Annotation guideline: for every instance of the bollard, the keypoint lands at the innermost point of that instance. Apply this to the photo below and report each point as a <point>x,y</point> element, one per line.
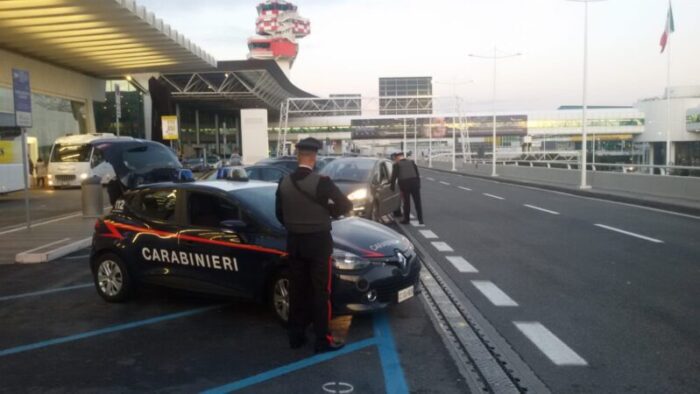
<point>92,198</point>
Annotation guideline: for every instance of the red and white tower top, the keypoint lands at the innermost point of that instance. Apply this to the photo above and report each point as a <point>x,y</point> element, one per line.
<point>278,26</point>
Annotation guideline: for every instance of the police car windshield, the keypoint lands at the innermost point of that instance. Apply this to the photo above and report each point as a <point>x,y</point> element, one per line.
<point>349,170</point>
<point>149,156</point>
<point>260,200</point>
<point>71,153</point>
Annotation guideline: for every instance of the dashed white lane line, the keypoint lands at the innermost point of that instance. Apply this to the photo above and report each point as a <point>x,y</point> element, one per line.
<point>541,209</point>
<point>461,264</point>
<point>497,296</point>
<point>427,234</point>
<point>549,344</point>
<point>430,179</point>
<point>442,247</point>
<point>465,188</point>
<point>644,237</point>
<point>445,183</point>
<point>494,196</point>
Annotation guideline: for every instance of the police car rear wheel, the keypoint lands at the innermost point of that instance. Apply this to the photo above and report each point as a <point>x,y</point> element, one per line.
<point>279,299</point>
<point>112,279</point>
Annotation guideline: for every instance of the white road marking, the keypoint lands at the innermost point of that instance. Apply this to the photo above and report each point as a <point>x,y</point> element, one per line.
<point>599,199</point>
<point>549,344</point>
<point>428,234</point>
<point>465,188</point>
<point>430,179</point>
<point>47,245</point>
<point>445,183</point>
<point>442,247</point>
<point>658,241</point>
<point>494,196</point>
<point>541,209</point>
<point>41,223</point>
<point>493,293</point>
<point>416,223</point>
<point>461,264</point>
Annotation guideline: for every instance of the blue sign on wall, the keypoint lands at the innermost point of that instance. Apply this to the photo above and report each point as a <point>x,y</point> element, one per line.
<point>23,98</point>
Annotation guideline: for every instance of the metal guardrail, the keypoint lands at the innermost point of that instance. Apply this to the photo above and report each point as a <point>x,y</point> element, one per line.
<point>625,168</point>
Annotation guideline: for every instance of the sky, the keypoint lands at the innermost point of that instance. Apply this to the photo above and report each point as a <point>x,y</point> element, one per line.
<point>354,42</point>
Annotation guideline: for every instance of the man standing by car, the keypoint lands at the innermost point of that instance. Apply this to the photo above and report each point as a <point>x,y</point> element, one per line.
<point>406,172</point>
<point>302,207</point>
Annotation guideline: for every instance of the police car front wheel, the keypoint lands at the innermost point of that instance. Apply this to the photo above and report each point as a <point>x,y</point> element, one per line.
<point>112,278</point>
<point>279,297</point>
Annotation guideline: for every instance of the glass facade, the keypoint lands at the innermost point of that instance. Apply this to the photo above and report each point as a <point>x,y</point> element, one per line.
<point>131,122</point>
<point>393,92</point>
<point>52,117</point>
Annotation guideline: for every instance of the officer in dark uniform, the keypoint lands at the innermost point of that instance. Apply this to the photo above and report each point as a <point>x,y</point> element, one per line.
<point>303,207</point>
<point>406,172</point>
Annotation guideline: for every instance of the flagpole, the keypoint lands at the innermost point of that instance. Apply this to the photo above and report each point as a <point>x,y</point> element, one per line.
<point>668,102</point>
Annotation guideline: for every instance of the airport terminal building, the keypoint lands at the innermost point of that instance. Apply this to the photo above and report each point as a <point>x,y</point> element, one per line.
<point>79,53</point>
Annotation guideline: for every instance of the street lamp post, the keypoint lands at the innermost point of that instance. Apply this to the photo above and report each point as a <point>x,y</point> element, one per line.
<point>495,57</point>
<point>584,114</point>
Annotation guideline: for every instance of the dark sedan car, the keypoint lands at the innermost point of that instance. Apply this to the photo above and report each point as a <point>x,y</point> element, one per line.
<point>223,238</point>
<point>257,173</point>
<point>366,182</point>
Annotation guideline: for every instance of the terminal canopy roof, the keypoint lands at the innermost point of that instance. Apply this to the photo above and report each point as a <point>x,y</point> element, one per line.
<point>103,38</point>
<point>234,84</point>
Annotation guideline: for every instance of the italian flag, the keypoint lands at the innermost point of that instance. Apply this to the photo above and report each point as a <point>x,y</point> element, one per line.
<point>668,30</point>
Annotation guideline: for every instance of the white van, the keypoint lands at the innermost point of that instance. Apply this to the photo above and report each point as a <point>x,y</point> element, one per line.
<point>74,158</point>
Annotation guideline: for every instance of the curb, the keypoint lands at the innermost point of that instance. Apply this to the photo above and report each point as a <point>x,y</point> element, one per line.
<point>57,253</point>
<point>603,196</point>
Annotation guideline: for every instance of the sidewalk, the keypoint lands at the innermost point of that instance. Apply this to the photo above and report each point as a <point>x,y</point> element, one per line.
<point>690,205</point>
<point>46,240</point>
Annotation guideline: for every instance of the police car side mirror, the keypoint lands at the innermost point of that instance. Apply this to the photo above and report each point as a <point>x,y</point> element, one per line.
<point>235,225</point>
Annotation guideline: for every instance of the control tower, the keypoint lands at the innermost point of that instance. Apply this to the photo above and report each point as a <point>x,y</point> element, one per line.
<point>278,26</point>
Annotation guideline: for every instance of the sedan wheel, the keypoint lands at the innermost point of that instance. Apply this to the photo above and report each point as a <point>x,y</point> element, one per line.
<point>112,279</point>
<point>281,298</point>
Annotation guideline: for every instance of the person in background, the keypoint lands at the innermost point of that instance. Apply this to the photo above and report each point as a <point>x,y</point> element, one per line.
<point>41,171</point>
<point>406,172</point>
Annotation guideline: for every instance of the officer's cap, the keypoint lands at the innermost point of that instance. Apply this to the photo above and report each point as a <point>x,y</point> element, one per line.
<point>309,144</point>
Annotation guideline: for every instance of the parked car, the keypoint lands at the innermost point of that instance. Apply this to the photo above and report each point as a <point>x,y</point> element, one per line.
<point>224,238</point>
<point>268,173</point>
<point>366,182</point>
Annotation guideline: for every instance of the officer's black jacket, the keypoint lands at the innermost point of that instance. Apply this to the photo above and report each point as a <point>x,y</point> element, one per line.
<point>395,173</point>
<point>327,190</point>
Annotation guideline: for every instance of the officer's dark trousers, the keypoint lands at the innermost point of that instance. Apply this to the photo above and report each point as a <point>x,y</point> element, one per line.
<point>310,284</point>
<point>410,188</point>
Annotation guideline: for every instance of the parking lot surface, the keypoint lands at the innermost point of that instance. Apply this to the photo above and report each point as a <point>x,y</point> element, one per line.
<point>59,335</point>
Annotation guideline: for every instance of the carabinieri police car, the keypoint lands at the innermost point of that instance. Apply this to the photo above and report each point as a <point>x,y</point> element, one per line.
<point>222,237</point>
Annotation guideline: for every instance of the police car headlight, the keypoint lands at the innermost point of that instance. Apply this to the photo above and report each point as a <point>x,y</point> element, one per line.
<point>83,176</point>
<point>347,261</point>
<point>359,194</point>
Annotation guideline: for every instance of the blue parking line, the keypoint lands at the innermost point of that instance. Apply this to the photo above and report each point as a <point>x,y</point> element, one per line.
<point>42,292</point>
<point>394,380</point>
<point>285,369</point>
<point>106,330</point>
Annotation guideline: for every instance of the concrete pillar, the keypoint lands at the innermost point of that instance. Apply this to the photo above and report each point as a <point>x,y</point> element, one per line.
<point>90,117</point>
<point>216,134</point>
<point>196,125</point>
<point>148,116</point>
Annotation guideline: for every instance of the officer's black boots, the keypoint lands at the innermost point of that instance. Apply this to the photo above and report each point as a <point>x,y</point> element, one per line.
<point>297,341</point>
<point>323,347</point>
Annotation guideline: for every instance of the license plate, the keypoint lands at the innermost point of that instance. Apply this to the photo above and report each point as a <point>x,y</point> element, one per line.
<point>405,294</point>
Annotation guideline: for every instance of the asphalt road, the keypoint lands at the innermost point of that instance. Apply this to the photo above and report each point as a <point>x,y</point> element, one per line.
<point>58,335</point>
<point>597,297</point>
